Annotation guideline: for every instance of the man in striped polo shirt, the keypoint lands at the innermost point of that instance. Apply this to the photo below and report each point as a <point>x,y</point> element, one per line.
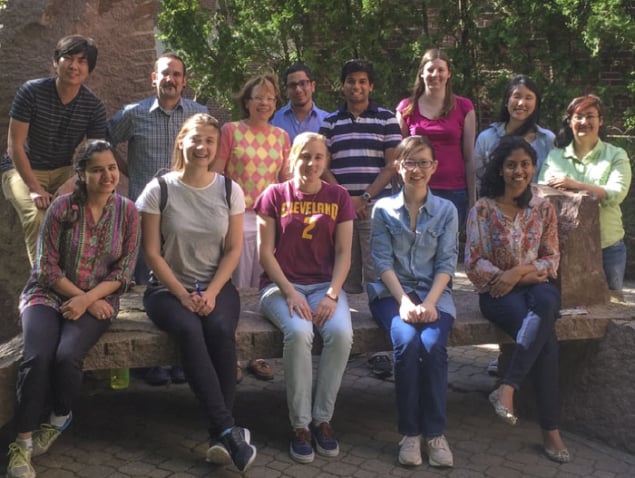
<point>49,117</point>
<point>361,138</point>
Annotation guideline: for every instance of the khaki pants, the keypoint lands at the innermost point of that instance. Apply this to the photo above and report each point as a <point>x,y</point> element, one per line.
<point>17,193</point>
<point>362,269</point>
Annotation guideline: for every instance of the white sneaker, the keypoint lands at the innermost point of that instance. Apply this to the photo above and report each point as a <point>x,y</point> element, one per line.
<point>410,450</point>
<point>439,453</point>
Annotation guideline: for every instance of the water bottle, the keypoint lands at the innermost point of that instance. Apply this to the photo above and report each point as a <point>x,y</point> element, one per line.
<point>119,378</point>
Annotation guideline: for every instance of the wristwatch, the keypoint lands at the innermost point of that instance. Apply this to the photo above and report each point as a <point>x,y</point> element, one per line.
<point>366,196</point>
<point>334,298</point>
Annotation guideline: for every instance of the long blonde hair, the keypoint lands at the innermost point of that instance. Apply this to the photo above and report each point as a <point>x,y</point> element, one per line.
<point>420,87</point>
<point>194,121</point>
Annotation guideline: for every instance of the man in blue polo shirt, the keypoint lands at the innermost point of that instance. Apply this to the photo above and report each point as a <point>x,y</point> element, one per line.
<point>49,118</point>
<point>300,114</point>
<point>361,138</point>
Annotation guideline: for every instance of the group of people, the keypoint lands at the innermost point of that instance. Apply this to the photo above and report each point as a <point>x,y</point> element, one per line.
<point>303,205</point>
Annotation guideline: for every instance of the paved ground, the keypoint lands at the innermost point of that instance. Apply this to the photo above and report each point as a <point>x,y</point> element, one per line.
<point>159,432</point>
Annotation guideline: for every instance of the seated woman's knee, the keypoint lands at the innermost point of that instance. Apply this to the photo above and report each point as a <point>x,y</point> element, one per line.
<point>544,300</point>
<point>301,334</point>
<point>68,359</point>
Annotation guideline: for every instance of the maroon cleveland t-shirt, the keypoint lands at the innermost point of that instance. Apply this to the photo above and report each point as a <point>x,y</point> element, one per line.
<point>305,229</point>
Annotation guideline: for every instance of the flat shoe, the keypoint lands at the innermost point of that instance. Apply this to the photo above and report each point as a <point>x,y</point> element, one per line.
<point>157,376</point>
<point>177,374</point>
<point>501,410</point>
<point>261,369</point>
<point>560,456</point>
<point>380,365</point>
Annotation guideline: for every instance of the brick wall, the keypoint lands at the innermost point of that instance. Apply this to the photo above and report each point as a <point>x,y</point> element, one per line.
<point>124,32</point>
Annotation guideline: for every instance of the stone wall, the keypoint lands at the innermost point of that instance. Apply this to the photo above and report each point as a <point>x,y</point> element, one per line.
<point>597,386</point>
<point>124,32</point>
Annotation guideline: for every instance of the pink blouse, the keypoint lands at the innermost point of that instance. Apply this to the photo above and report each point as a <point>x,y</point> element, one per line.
<point>446,136</point>
<point>495,243</point>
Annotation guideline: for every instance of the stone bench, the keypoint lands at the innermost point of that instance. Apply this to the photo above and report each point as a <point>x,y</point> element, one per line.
<point>133,340</point>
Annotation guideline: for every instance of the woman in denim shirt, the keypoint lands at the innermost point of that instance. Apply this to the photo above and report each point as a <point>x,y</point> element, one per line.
<point>414,247</point>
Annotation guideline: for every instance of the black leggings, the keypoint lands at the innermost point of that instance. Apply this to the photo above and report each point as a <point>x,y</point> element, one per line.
<point>207,346</point>
<point>54,349</point>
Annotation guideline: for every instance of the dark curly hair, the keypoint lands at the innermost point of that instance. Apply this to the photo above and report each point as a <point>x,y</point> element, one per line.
<point>83,153</point>
<point>492,182</point>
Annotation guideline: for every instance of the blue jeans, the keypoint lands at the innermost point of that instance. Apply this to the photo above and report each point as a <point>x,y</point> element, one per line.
<point>458,198</point>
<point>421,368</point>
<point>337,335</point>
<point>528,314</point>
<point>614,262</point>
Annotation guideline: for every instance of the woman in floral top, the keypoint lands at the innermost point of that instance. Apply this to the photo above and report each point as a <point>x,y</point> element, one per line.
<point>86,255</point>
<point>511,256</point>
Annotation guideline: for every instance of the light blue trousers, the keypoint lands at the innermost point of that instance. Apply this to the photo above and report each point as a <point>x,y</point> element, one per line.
<point>337,336</point>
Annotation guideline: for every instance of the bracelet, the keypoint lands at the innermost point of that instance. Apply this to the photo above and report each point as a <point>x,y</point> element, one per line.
<point>334,298</point>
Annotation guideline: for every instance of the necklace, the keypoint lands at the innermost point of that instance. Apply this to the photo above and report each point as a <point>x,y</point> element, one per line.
<point>305,195</point>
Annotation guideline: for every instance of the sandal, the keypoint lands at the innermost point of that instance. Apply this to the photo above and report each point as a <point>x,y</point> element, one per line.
<point>261,369</point>
<point>380,365</point>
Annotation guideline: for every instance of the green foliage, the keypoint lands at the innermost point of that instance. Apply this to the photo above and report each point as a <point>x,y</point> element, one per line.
<point>565,45</point>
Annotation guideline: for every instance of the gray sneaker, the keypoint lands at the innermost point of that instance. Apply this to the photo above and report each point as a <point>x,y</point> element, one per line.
<point>19,462</point>
<point>439,453</point>
<point>43,438</point>
<point>46,435</point>
<point>410,450</point>
<point>217,453</point>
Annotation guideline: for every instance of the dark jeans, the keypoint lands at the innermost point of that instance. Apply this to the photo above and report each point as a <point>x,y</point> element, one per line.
<point>54,349</point>
<point>528,314</point>
<point>421,368</point>
<point>614,262</point>
<point>459,199</point>
<point>207,346</point>
<point>141,270</point>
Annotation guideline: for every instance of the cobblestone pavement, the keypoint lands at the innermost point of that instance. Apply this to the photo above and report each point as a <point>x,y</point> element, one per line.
<point>159,432</point>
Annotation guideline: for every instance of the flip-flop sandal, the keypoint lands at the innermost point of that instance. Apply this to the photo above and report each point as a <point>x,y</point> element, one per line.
<point>261,369</point>
<point>380,365</point>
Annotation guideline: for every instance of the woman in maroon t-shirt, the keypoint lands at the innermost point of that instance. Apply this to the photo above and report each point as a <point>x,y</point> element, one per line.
<point>305,228</point>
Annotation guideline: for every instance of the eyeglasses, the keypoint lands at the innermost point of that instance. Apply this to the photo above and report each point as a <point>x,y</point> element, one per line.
<point>580,118</point>
<point>410,165</point>
<point>302,84</point>
<point>264,99</point>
